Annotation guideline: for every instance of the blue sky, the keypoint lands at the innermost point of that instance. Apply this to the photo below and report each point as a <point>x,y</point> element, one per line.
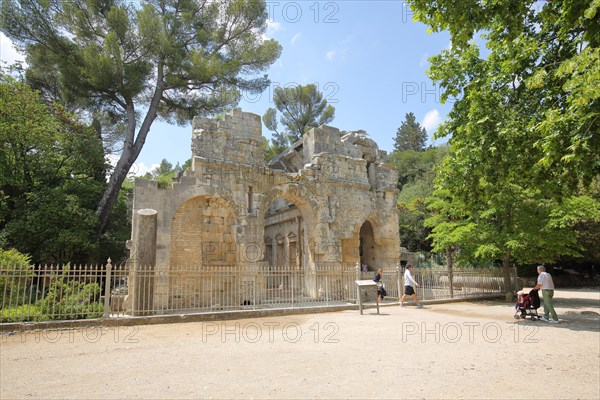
<point>367,57</point>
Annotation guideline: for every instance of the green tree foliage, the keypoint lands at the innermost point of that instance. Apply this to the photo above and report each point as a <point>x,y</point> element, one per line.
<point>588,233</point>
<point>273,149</point>
<point>414,235</point>
<point>134,62</point>
<point>164,168</point>
<point>51,177</point>
<point>165,173</point>
<point>410,135</point>
<point>416,174</point>
<point>301,108</point>
<point>417,167</point>
<point>524,127</point>
<point>544,63</point>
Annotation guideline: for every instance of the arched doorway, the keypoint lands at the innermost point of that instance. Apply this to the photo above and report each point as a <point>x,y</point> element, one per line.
<point>289,232</point>
<point>367,247</point>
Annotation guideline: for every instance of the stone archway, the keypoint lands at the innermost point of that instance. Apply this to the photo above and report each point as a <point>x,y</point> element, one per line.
<point>289,231</point>
<point>289,223</point>
<point>203,233</point>
<point>202,237</point>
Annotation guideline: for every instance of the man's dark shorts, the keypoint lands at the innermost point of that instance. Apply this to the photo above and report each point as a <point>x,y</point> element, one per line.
<point>408,290</point>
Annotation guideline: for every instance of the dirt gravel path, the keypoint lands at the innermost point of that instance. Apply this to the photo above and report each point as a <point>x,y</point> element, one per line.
<point>469,350</point>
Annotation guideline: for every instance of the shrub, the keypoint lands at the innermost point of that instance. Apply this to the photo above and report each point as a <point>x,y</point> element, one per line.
<point>16,273</point>
<point>71,300</point>
<point>24,313</point>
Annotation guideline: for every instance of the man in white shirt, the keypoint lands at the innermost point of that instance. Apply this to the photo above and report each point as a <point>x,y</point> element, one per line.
<point>409,282</point>
<point>545,283</point>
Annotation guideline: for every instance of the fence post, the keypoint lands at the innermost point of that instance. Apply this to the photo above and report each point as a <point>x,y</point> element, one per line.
<point>292,273</point>
<point>107,289</point>
<point>450,262</point>
<point>358,277</point>
<point>399,281</point>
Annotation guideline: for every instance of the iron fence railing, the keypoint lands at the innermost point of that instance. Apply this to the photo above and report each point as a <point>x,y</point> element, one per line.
<point>66,292</point>
<point>437,284</point>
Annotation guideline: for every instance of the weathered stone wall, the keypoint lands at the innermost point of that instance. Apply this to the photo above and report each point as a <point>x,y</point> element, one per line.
<point>221,210</point>
<point>236,138</point>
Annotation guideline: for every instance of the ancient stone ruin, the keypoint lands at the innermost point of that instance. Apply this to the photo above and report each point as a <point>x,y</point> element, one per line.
<point>329,201</point>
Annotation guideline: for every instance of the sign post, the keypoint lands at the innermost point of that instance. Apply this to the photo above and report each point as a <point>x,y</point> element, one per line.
<point>365,284</point>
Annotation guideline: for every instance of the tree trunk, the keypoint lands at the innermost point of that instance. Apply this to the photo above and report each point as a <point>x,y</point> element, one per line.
<point>111,193</point>
<point>507,281</point>
<point>450,274</point>
<point>131,150</point>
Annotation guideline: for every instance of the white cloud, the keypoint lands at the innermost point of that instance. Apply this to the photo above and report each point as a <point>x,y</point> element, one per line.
<point>330,55</point>
<point>140,169</point>
<point>296,37</point>
<point>8,53</point>
<point>272,27</point>
<point>431,121</point>
<point>137,169</point>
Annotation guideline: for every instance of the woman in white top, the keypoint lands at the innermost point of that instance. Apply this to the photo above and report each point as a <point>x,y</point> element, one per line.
<point>409,282</point>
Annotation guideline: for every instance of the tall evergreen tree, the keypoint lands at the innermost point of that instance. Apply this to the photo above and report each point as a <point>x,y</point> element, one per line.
<point>410,135</point>
<point>138,61</point>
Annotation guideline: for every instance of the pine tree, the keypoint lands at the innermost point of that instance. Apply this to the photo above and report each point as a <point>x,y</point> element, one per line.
<point>301,108</point>
<point>411,135</point>
<point>136,61</point>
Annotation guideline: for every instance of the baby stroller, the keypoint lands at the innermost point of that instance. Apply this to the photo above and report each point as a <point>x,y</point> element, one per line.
<point>527,304</point>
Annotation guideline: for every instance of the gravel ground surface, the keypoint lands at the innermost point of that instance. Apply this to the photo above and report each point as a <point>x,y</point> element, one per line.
<point>469,350</point>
